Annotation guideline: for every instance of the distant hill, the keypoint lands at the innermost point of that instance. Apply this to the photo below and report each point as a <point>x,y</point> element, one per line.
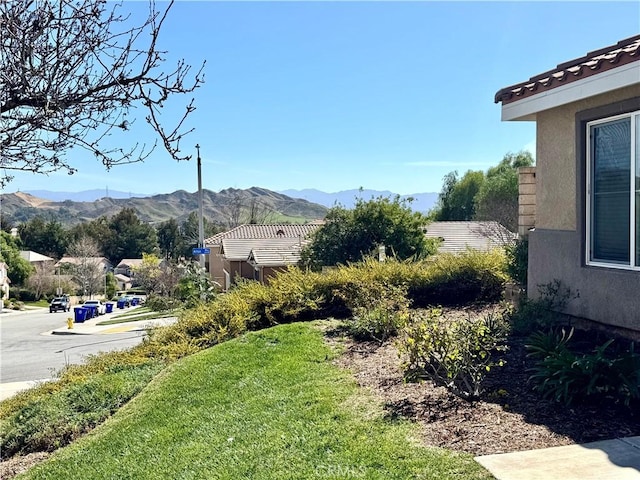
<point>422,202</point>
<point>21,206</point>
<point>84,196</point>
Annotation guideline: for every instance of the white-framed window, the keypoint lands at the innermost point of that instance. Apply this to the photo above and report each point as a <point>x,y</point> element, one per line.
<point>613,192</point>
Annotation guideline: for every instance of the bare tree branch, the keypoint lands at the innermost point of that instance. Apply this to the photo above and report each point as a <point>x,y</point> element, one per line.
<point>71,71</point>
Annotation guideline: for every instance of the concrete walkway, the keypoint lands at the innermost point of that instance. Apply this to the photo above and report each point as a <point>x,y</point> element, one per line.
<point>617,459</point>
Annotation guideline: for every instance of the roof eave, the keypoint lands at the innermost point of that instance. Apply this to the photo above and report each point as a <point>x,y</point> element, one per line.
<point>604,82</point>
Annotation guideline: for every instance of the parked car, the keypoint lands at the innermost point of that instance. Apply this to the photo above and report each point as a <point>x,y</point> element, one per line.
<point>138,299</point>
<point>102,308</point>
<point>60,303</point>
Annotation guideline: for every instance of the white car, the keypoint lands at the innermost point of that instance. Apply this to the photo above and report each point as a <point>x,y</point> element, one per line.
<point>102,308</point>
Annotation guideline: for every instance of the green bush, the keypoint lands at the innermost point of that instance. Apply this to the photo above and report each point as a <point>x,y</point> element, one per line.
<point>160,303</point>
<point>455,353</point>
<point>378,309</point>
<point>518,261</point>
<point>567,376</point>
<point>544,311</point>
<point>457,279</point>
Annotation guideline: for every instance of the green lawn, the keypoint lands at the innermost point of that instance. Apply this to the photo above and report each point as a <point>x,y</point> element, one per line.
<point>140,313</point>
<point>268,405</point>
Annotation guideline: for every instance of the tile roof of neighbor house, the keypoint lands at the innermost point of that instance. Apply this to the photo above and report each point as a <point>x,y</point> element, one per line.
<point>274,258</point>
<point>238,249</point>
<point>129,262</point>
<point>458,236</point>
<point>614,56</point>
<point>77,260</point>
<point>122,278</point>
<point>31,256</point>
<point>263,231</point>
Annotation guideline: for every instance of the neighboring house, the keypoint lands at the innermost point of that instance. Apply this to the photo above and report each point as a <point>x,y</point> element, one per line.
<point>258,258</point>
<point>456,237</point>
<point>4,282</point>
<point>101,262</point>
<point>240,241</point>
<point>587,196</point>
<point>127,266</point>
<point>35,258</point>
<point>123,282</point>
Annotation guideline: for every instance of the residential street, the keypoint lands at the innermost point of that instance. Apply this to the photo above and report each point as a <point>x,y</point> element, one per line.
<point>29,352</point>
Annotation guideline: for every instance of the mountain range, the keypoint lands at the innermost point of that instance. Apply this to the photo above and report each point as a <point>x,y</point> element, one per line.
<point>422,202</point>
<point>292,206</point>
<point>217,207</point>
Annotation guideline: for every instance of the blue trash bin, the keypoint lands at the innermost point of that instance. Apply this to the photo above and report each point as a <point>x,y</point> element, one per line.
<point>80,314</point>
<point>108,307</point>
<point>121,303</point>
<point>93,311</point>
<point>134,301</point>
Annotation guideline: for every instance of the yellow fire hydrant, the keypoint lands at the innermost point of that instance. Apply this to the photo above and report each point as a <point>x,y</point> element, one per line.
<point>69,322</point>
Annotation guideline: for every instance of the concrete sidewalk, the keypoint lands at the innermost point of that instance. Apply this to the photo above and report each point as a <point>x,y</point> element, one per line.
<point>617,459</point>
<point>91,327</point>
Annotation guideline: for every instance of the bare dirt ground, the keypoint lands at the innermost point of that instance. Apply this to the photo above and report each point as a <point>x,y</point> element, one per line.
<point>508,417</point>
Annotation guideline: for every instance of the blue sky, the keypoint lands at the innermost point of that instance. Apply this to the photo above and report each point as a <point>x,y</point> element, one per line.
<point>341,95</point>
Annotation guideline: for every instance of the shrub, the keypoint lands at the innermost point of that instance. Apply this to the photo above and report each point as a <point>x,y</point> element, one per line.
<point>518,261</point>
<point>567,376</point>
<point>456,279</point>
<point>159,303</point>
<point>378,309</point>
<point>542,312</point>
<point>455,353</point>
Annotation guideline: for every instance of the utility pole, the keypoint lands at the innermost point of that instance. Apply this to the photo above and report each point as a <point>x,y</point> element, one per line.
<point>200,217</point>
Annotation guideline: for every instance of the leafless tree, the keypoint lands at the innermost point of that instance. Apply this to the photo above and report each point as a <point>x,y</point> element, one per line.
<point>496,233</point>
<point>86,265</point>
<point>42,279</point>
<point>71,71</point>
<point>257,212</point>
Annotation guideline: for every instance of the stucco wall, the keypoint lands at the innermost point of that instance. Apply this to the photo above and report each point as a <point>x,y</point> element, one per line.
<point>606,295</point>
<point>556,247</point>
<point>556,160</point>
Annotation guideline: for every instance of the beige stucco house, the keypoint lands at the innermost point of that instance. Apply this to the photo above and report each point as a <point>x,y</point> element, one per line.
<point>255,251</point>
<point>587,180</point>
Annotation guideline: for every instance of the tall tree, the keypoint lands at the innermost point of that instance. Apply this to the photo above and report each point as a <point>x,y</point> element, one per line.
<point>457,198</point>
<point>73,71</point>
<point>190,232</point>
<point>48,238</point>
<point>129,237</point>
<point>170,240</point>
<point>86,268</point>
<point>18,269</point>
<point>351,235</point>
<point>497,198</point>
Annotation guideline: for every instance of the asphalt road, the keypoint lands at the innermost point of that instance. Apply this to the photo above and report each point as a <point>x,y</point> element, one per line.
<point>28,351</point>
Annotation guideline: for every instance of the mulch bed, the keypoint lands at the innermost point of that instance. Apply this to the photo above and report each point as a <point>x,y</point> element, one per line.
<point>508,417</point>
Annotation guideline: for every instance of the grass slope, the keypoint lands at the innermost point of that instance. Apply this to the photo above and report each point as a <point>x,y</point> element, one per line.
<point>268,405</point>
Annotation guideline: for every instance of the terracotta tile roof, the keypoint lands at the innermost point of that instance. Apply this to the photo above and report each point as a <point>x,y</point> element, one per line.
<point>259,231</point>
<point>240,248</point>
<point>274,258</point>
<point>608,58</point>
<point>458,236</point>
